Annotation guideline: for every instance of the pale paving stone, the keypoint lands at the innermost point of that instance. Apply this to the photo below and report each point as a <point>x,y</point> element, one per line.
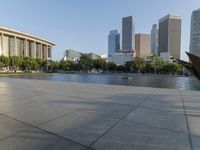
<point>97,109</point>
<point>9,126</point>
<point>34,139</point>
<point>164,119</point>
<point>132,136</point>
<point>82,127</point>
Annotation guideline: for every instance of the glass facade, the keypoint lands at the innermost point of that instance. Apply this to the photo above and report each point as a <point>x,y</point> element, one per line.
<point>154,39</point>
<point>11,46</point>
<point>43,51</point>
<point>38,50</point>
<point>195,33</point>
<point>20,47</point>
<point>163,36</point>
<point>49,52</point>
<point>113,42</point>
<point>1,50</point>
<point>31,46</point>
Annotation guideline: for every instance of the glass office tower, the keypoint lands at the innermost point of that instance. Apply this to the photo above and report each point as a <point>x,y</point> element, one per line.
<point>195,33</point>
<point>113,42</point>
<point>154,39</point>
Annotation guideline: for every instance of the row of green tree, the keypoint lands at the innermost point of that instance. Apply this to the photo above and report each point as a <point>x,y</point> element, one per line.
<point>22,63</point>
<point>153,64</point>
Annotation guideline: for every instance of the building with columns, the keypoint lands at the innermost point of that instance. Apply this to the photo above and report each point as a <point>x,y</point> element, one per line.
<point>16,43</point>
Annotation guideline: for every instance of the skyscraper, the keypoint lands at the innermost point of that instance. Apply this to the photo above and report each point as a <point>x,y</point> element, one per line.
<point>169,36</point>
<point>113,42</point>
<point>195,33</point>
<point>154,39</point>
<point>142,45</point>
<point>128,34</point>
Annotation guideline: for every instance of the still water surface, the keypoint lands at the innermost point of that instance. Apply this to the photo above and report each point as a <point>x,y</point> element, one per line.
<point>160,81</point>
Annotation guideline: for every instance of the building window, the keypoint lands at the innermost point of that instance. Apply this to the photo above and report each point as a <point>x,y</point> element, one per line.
<point>49,52</point>
<point>30,49</point>
<point>11,46</point>
<point>20,47</point>
<point>43,51</point>
<point>38,50</point>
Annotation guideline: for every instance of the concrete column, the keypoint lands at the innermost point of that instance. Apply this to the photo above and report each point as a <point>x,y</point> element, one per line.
<point>34,50</point>
<point>5,51</point>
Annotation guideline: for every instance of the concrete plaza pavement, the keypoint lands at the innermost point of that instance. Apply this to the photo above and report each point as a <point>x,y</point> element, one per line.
<point>48,115</point>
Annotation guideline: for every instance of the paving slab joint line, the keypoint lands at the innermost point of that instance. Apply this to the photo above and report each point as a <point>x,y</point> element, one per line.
<point>187,122</point>
<point>118,103</point>
<point>162,110</point>
<point>59,117</point>
<point>77,110</point>
<point>141,123</point>
<point>110,102</point>
<point>90,146</point>
<point>1,139</point>
<point>48,132</point>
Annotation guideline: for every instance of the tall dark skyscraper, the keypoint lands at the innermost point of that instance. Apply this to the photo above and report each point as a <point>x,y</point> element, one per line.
<point>128,34</point>
<point>195,33</point>
<point>169,36</point>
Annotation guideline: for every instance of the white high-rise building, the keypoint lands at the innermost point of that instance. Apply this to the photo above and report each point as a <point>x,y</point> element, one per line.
<point>154,39</point>
<point>195,33</point>
<point>113,42</point>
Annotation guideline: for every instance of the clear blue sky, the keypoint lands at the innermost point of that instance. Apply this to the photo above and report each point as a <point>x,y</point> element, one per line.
<point>84,24</point>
